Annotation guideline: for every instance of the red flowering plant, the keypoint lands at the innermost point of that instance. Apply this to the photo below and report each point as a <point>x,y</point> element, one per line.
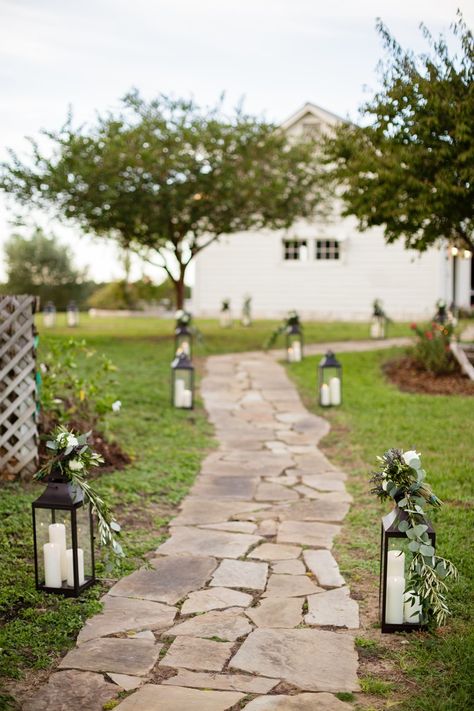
<point>432,350</point>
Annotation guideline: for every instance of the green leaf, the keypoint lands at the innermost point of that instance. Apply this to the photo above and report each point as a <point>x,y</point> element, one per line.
<point>403,503</point>
<point>420,529</point>
<point>411,534</point>
<point>426,550</point>
<point>403,526</point>
<point>414,546</point>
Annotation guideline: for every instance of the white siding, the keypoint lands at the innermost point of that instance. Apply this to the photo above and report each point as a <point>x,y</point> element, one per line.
<point>252,263</point>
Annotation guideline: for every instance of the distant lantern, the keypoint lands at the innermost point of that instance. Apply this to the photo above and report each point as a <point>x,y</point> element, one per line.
<point>294,342</point>
<point>225,318</point>
<point>378,323</point>
<point>63,539</point>
<point>49,315</point>
<point>183,339</point>
<point>330,381</point>
<point>182,382</point>
<point>400,609</point>
<point>72,315</point>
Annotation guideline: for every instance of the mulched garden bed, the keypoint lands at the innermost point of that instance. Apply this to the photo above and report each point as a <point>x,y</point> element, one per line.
<point>409,377</point>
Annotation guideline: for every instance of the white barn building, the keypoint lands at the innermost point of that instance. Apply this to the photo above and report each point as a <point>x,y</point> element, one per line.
<point>326,268</point>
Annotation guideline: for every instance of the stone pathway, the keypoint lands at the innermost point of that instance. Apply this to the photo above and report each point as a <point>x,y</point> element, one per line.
<point>244,605</point>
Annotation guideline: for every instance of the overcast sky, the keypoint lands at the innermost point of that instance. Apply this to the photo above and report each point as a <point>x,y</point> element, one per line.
<point>278,54</point>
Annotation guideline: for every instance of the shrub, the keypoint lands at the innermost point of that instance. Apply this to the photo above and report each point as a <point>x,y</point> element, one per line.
<point>68,394</point>
<point>431,350</point>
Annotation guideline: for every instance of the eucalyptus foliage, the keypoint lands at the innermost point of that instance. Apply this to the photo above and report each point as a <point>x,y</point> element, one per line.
<point>403,480</point>
<point>71,458</point>
<point>292,319</point>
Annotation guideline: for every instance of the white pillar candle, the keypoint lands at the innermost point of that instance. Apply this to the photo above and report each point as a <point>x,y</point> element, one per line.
<point>394,602</point>
<point>396,564</point>
<point>70,566</point>
<point>290,355</point>
<point>57,534</point>
<point>296,351</point>
<point>325,398</point>
<point>185,347</point>
<point>52,565</point>
<point>187,398</point>
<point>374,330</point>
<point>335,391</point>
<point>412,610</point>
<point>178,392</point>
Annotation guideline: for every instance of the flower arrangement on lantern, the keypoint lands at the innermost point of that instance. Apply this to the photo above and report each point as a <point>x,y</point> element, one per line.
<point>403,480</point>
<point>432,350</point>
<point>71,459</point>
<point>290,322</point>
<point>247,311</point>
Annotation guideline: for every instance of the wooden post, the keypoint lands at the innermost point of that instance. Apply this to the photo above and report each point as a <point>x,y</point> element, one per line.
<point>18,427</point>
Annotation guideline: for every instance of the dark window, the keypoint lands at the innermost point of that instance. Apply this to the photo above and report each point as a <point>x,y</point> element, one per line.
<point>327,249</point>
<point>295,250</point>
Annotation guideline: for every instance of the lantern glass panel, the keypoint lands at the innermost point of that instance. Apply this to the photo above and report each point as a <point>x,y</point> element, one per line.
<point>183,343</point>
<point>294,344</point>
<point>85,540</point>
<point>183,387</point>
<point>378,327</point>
<point>400,608</point>
<point>46,532</point>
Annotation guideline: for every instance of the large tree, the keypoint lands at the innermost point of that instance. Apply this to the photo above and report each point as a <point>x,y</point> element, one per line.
<point>41,265</point>
<point>410,169</point>
<point>166,178</point>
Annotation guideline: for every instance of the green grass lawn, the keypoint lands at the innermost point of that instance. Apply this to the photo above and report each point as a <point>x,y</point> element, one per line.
<point>423,671</point>
<point>167,447</point>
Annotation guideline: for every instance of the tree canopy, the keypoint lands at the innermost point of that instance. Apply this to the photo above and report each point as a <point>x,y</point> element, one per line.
<point>40,265</point>
<point>411,168</point>
<point>166,178</point>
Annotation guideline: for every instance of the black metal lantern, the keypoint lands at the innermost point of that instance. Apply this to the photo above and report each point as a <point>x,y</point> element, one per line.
<point>294,343</point>
<point>378,327</point>
<point>182,382</point>
<point>183,340</point>
<point>330,381</point>
<point>63,539</point>
<point>400,609</point>
<point>49,315</point>
<point>72,315</point>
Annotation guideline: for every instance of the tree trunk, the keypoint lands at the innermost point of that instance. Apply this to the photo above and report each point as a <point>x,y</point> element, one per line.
<point>179,288</point>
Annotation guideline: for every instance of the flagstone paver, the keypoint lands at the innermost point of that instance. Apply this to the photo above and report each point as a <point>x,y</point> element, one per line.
<point>196,653</point>
<point>333,607</point>
<point>197,541</point>
<point>71,691</point>
<point>312,660</point>
<point>168,581</point>
<point>277,612</point>
<point>275,551</point>
<point>172,698</point>
<point>227,624</point>
<point>248,551</point>
<point>241,574</point>
<point>123,614</point>
<point>123,656</point>
<point>320,535</point>
<point>224,682</point>
<point>290,586</point>
<point>215,599</point>
<point>322,564</point>
<point>299,702</point>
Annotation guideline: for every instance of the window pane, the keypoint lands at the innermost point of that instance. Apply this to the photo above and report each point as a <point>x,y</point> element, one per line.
<point>327,249</point>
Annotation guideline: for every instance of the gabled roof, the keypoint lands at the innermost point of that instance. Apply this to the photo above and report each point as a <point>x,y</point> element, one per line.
<point>316,112</point>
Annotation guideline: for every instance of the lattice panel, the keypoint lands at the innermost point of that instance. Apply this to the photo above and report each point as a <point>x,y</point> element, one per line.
<point>18,430</point>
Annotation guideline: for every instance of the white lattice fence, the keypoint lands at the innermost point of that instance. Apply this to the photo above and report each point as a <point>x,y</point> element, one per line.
<point>18,431</point>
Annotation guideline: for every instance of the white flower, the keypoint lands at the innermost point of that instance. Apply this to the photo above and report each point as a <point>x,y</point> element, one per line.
<point>179,314</point>
<point>71,441</point>
<point>384,485</point>
<point>116,405</point>
<point>412,458</point>
<point>75,465</point>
